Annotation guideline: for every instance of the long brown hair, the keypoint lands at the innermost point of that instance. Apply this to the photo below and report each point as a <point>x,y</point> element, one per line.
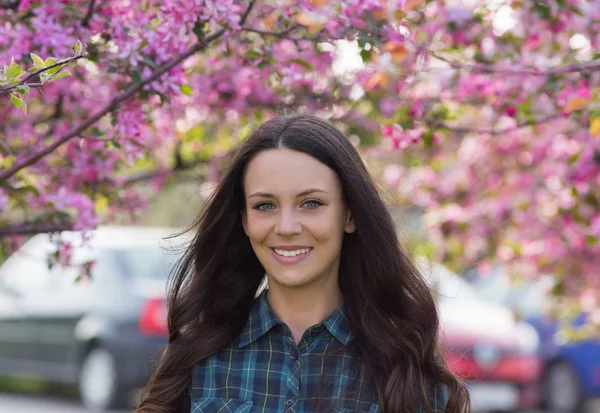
<point>391,308</point>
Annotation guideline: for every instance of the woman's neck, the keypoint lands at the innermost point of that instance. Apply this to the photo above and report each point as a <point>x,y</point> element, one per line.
<point>301,308</point>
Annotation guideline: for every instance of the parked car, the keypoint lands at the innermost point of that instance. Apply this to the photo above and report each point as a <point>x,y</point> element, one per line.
<point>100,333</point>
<point>484,344</point>
<point>571,370</point>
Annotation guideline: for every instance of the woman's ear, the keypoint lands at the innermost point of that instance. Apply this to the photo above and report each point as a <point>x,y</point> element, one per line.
<point>349,227</point>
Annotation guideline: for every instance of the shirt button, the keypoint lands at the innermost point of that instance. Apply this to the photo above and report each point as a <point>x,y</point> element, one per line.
<point>289,402</point>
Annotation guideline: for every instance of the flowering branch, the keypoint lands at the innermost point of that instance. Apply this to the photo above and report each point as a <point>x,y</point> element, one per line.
<point>31,229</point>
<point>486,68</point>
<point>493,132</point>
<point>114,103</point>
<point>8,88</point>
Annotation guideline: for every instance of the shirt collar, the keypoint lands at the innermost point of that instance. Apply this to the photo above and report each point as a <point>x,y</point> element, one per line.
<point>262,319</point>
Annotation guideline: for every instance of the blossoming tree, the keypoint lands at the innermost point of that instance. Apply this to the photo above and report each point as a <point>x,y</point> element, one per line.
<point>486,114</point>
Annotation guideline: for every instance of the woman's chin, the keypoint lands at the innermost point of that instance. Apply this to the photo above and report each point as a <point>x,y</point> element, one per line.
<point>290,280</point>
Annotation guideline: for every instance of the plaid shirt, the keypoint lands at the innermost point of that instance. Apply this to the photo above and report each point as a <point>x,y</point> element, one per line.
<point>263,370</point>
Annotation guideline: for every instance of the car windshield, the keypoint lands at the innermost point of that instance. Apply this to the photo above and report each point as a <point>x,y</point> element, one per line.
<point>143,262</point>
<point>527,297</point>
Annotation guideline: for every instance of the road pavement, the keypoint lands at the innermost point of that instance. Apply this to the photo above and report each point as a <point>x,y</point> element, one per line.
<point>25,403</point>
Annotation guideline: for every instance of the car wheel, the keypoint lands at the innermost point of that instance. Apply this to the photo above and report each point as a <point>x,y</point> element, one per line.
<point>562,391</point>
<point>99,387</point>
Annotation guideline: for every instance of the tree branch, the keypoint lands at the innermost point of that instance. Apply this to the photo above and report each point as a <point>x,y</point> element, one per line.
<point>31,229</point>
<point>459,129</point>
<point>6,89</point>
<point>5,148</point>
<point>283,34</point>
<point>486,68</point>
<point>86,20</point>
<point>14,5</point>
<point>114,103</point>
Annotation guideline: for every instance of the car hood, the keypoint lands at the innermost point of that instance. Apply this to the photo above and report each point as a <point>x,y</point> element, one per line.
<point>469,321</point>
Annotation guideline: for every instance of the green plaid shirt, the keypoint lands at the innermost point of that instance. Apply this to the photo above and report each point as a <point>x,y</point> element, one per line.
<point>263,370</point>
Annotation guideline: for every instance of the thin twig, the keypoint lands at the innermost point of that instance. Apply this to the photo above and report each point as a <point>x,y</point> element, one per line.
<point>86,20</point>
<point>282,34</point>
<point>58,63</point>
<point>520,125</point>
<point>486,68</point>
<point>6,89</point>
<point>6,148</point>
<point>31,229</point>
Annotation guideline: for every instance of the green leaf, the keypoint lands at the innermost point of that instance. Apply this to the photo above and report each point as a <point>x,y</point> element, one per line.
<point>13,71</point>
<point>37,61</point>
<point>33,69</point>
<point>78,48</point>
<point>50,61</point>
<point>62,75</point>
<point>150,62</point>
<point>186,90</point>
<point>19,103</point>
<point>596,157</point>
<point>302,63</point>
<point>155,22</point>
<point>23,89</point>
<point>254,54</point>
<point>199,30</point>
<point>55,69</point>
<point>96,132</point>
<point>365,55</point>
<point>16,101</point>
<point>135,75</point>
<point>544,10</point>
<point>428,139</point>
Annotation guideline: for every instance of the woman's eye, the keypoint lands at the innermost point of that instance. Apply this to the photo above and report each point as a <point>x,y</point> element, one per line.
<point>264,207</point>
<point>312,204</point>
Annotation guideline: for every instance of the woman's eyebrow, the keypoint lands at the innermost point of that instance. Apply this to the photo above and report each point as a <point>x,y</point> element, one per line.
<point>301,194</point>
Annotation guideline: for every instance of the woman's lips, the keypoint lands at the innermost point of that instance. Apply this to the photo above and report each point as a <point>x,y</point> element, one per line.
<point>290,260</point>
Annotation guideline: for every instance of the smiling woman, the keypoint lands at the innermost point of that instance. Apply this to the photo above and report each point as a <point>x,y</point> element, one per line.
<point>346,324</point>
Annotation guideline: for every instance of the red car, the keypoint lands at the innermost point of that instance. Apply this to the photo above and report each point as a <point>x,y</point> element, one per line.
<point>486,345</point>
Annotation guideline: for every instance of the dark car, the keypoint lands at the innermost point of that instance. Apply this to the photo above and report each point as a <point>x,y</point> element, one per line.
<point>571,370</point>
<point>102,332</point>
<point>484,344</point>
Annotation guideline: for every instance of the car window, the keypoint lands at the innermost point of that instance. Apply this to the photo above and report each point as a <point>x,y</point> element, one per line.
<point>528,297</point>
<point>452,286</point>
<point>25,273</point>
<point>153,263</point>
<point>445,282</point>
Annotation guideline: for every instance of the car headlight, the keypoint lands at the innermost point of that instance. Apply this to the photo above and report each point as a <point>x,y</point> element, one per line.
<point>527,338</point>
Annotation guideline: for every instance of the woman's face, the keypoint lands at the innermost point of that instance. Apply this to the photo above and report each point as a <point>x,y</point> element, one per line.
<point>295,217</point>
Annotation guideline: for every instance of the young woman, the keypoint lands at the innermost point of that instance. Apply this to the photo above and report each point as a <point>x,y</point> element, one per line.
<point>346,324</point>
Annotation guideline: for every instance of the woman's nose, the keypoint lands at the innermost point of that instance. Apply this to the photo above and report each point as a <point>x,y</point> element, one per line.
<point>288,224</point>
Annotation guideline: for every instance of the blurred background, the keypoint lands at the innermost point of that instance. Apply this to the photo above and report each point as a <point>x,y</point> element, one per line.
<point>480,121</point>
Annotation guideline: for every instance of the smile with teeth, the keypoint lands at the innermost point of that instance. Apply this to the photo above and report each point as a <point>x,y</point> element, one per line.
<point>293,253</point>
